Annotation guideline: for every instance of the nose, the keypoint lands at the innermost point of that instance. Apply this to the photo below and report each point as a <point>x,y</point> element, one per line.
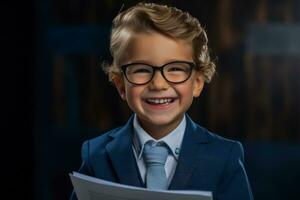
<point>158,82</point>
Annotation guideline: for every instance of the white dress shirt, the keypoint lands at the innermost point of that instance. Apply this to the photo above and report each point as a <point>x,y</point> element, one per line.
<point>173,141</point>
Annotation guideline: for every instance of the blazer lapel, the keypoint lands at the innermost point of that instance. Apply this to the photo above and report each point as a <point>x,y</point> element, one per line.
<point>121,154</point>
<point>193,148</point>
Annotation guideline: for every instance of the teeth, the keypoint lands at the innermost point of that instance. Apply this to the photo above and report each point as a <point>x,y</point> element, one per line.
<point>159,101</point>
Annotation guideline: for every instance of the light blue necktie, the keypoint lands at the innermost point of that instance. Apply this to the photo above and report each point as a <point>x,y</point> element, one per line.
<point>155,156</point>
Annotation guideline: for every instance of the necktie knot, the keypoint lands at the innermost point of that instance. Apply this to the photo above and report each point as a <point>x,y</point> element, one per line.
<point>155,154</point>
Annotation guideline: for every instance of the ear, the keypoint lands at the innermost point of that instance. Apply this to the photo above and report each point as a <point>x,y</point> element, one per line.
<point>198,84</point>
<point>120,85</point>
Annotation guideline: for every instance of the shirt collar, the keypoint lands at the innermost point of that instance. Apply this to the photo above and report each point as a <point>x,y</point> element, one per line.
<point>173,139</point>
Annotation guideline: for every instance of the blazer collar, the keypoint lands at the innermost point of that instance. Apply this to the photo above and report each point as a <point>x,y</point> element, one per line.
<point>193,149</point>
<point>121,154</point>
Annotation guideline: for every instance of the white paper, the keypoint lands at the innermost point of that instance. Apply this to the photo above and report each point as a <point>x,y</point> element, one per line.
<point>91,188</point>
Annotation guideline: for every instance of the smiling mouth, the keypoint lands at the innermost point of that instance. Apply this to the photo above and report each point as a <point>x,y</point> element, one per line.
<point>160,101</point>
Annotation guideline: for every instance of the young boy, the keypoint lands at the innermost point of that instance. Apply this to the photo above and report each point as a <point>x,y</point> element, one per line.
<point>160,63</point>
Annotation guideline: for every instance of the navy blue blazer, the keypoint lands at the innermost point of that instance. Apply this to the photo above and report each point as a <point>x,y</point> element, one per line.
<point>206,162</point>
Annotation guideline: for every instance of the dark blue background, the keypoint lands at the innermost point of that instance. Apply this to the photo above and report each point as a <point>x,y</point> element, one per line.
<point>49,113</point>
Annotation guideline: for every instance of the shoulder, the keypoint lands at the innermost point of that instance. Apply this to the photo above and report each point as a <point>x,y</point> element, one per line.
<point>97,144</point>
<point>207,136</point>
<point>223,142</point>
<point>218,145</point>
<point>96,147</point>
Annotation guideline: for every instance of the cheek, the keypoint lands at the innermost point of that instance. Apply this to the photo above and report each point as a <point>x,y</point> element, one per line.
<point>185,92</point>
<point>133,93</point>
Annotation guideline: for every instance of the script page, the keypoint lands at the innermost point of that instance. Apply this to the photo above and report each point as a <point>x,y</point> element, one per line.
<point>90,188</point>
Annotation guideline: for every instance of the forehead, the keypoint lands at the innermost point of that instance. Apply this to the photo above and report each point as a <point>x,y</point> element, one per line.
<point>157,49</point>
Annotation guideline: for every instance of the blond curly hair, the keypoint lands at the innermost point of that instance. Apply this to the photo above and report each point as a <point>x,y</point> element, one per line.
<point>166,20</point>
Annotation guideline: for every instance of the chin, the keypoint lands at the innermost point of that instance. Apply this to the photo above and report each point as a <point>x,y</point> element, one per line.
<point>162,120</point>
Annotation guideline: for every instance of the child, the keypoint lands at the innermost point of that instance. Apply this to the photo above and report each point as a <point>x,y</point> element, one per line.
<point>160,63</point>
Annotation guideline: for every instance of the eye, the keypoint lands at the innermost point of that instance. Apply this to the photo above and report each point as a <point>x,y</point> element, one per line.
<point>142,70</point>
<point>175,68</point>
<point>139,69</point>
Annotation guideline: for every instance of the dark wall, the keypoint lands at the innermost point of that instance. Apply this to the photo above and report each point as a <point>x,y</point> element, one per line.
<point>59,96</point>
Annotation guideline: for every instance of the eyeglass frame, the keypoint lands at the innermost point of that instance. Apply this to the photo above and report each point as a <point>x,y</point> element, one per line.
<point>159,68</point>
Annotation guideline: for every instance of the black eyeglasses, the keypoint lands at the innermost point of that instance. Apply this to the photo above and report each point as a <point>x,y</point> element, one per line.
<point>173,72</point>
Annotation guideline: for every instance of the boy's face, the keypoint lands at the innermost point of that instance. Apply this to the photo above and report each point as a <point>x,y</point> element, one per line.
<point>156,49</point>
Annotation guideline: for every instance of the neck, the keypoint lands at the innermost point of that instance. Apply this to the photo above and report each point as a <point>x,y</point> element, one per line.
<point>159,131</point>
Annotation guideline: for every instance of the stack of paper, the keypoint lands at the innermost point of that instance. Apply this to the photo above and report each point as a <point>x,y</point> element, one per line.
<point>90,188</point>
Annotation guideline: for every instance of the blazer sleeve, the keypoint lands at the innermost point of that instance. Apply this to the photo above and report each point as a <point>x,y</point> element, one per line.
<point>234,183</point>
<point>85,166</point>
